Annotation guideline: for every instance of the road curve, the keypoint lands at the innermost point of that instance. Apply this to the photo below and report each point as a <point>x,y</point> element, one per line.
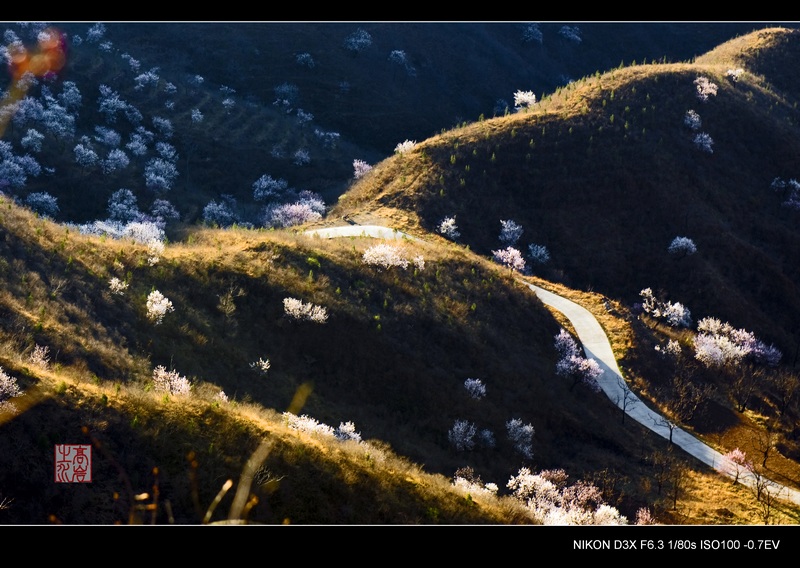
<point>597,346</point>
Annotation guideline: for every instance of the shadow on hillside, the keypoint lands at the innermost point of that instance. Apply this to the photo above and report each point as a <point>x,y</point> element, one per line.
<point>714,419</point>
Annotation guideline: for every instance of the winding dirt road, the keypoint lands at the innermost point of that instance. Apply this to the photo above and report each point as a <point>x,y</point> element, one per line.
<point>596,345</point>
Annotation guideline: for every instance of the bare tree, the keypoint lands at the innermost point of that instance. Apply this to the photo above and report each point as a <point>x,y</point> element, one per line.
<point>767,500</point>
<point>766,441</point>
<point>627,400</point>
<point>786,386</point>
<point>743,383</point>
<point>678,480</point>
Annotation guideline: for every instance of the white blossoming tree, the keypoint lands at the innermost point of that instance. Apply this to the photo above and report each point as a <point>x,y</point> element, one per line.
<point>448,228</point>
<point>682,246</point>
<point>462,435</point>
<point>510,257</point>
<point>705,88</point>
<point>304,311</point>
<point>170,382</point>
<point>524,100</point>
<point>158,306</point>
<point>8,389</point>
<point>385,256</point>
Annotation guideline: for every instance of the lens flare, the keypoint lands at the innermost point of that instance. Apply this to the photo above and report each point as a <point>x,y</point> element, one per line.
<point>48,59</point>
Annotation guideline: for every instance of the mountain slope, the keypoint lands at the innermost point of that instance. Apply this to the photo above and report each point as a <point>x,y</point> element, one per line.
<point>606,174</point>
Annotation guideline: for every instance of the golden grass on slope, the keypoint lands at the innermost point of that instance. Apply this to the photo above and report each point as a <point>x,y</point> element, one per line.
<point>711,500</point>
<point>188,447</point>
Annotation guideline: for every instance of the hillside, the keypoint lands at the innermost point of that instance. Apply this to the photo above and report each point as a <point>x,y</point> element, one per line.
<point>604,172</point>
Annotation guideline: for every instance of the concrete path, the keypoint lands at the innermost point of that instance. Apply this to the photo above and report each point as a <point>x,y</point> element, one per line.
<point>374,231</point>
<point>597,346</point>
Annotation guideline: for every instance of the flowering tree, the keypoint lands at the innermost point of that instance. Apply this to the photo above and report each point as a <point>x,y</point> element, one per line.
<point>676,314</point>
<point>470,483</point>
<point>738,463</point>
<point>40,356</point>
<point>32,140</point>
<point>552,501</point>
<point>462,435</point>
<point>476,388</point>
<point>304,311</point>
<point>399,57</point>
<point>385,256</point>
<point>346,431</point>
<point>539,253</point>
<point>261,366</point>
<point>8,389</point>
<point>267,187</point>
<point>85,156</point>
<point>448,228</point>
<point>532,33</point>
<point>160,174</point>
<point>524,100</point>
<point>683,246</point>
<point>305,210</point>
<point>704,142</point>
<point>406,146</point>
<point>573,365</point>
<point>790,190</point>
<point>220,213</point>
<point>301,157</point>
<point>358,41</point>
<point>305,60</point>
<point>522,436</point>
<point>117,286</point>
<point>170,382</point>
<point>692,120</point>
<point>734,74</point>
<point>110,104</point>
<point>163,126</point>
<point>705,88</point>
<point>572,33</point>
<point>115,160</point>
<point>719,344</point>
<point>158,306</point>
<point>510,232</point>
<point>510,257</point>
<point>360,168</point>
<point>42,203</point>
<point>162,211</point>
